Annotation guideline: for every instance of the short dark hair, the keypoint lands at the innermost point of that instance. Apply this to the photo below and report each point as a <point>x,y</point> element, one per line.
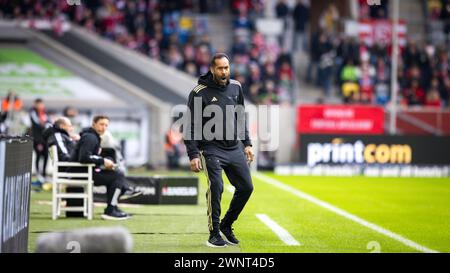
<point>38,100</point>
<point>99,117</point>
<point>218,56</point>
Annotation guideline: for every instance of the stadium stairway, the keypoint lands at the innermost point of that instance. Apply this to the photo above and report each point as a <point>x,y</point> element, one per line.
<point>307,92</point>
<point>221,30</point>
<point>413,12</point>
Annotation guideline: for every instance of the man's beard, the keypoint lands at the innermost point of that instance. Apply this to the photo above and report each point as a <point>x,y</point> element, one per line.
<point>221,80</point>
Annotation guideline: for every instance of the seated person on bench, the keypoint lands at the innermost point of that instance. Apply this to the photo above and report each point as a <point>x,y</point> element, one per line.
<point>59,135</point>
<point>88,150</point>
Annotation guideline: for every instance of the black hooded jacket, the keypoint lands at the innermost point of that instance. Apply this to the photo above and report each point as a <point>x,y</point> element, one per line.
<point>88,149</point>
<point>57,136</point>
<point>212,93</point>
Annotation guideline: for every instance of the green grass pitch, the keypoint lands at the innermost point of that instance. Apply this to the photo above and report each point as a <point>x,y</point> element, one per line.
<point>417,209</point>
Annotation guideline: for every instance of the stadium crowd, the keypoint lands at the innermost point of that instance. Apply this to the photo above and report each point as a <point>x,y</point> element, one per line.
<point>169,31</point>
<point>362,72</point>
<point>176,33</point>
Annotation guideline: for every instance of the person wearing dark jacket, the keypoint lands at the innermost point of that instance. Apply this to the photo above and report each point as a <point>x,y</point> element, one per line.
<point>301,19</point>
<point>39,121</point>
<point>59,135</point>
<point>229,150</point>
<point>88,150</point>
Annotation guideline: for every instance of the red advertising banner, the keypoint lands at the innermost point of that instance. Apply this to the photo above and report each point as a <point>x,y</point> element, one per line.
<point>371,31</point>
<point>340,119</point>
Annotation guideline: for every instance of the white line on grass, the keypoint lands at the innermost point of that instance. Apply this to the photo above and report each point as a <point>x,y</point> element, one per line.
<point>278,230</point>
<point>343,213</point>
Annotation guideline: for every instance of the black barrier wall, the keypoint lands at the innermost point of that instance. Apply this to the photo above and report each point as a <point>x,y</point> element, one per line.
<point>158,190</point>
<point>178,190</point>
<point>15,181</point>
<point>368,149</point>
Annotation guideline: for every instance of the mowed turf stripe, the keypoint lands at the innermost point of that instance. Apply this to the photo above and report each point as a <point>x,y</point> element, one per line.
<point>282,233</point>
<point>325,205</point>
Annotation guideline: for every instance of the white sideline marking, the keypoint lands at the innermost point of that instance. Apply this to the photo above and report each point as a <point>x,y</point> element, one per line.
<point>278,230</point>
<point>230,189</point>
<point>343,213</point>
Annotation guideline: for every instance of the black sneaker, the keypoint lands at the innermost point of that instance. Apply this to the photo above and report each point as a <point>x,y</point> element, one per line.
<point>123,212</point>
<point>113,213</point>
<point>227,232</point>
<point>215,240</point>
<point>130,193</point>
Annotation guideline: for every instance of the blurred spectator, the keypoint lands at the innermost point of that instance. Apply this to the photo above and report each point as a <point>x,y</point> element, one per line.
<point>59,134</point>
<point>242,22</point>
<point>10,105</point>
<point>71,113</point>
<point>285,85</point>
<point>301,20</point>
<point>267,93</point>
<point>382,75</point>
<point>445,18</point>
<point>237,5</point>
<point>173,146</point>
<point>433,98</point>
<point>282,12</point>
<point>373,11</point>
<point>39,121</point>
<point>349,79</point>
<point>434,9</point>
<point>367,82</point>
<point>350,72</point>
<point>314,57</point>
<point>379,11</point>
<point>447,91</point>
<point>414,94</point>
<point>329,19</point>
<point>411,55</point>
<point>326,63</point>
<point>350,92</point>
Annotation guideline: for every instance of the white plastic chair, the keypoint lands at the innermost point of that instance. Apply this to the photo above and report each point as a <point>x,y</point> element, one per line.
<point>62,179</point>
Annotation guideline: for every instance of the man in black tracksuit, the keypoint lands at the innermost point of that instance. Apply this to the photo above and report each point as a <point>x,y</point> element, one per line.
<point>88,150</point>
<point>229,150</point>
